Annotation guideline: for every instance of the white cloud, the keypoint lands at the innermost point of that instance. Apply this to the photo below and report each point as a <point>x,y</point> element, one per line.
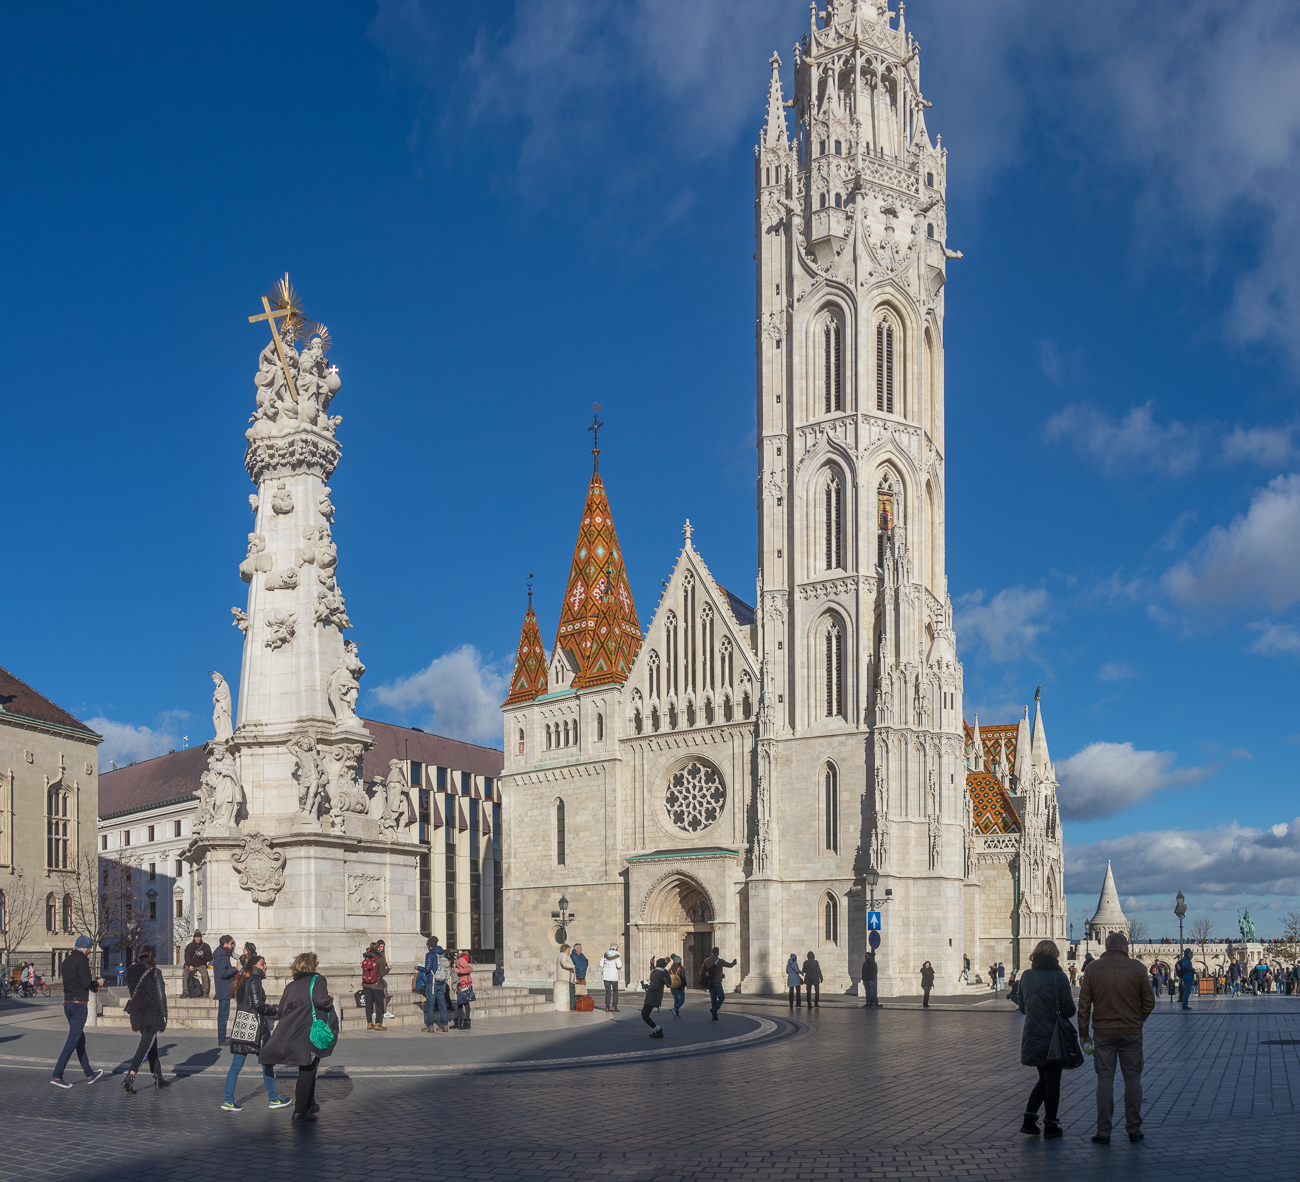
<point>124,743</point>
<point>462,692</point>
<point>1229,860</point>
<point>1254,559</point>
<point>1275,640</point>
<point>1115,671</point>
<point>1107,778</point>
<point>1008,624</point>
<point>1137,438</point>
<point>1269,447</point>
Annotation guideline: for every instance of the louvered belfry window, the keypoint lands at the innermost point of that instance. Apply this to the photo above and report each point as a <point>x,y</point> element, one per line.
<point>885,367</point>
<point>833,365</point>
<point>834,526</point>
<point>834,672</point>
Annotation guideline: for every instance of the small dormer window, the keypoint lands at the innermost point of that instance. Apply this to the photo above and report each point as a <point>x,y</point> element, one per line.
<point>838,151</point>
<point>929,180</point>
<point>823,202</point>
<point>837,201</point>
<point>821,148</point>
<point>929,229</point>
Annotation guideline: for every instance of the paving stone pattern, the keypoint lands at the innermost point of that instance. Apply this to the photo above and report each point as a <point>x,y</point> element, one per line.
<point>835,1093</point>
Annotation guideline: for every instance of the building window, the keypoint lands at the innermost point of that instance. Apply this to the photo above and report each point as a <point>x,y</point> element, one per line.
<point>67,913</point>
<point>929,180</point>
<point>180,866</point>
<point>126,837</point>
<point>834,672</point>
<point>831,791</point>
<point>56,830</point>
<point>929,229</point>
<point>153,871</point>
<point>837,201</point>
<point>822,204</point>
<point>831,919</point>
<point>521,742</point>
<point>838,152</point>
<point>600,727</point>
<point>4,913</point>
<point>833,366</point>
<point>636,721</point>
<point>654,718</point>
<point>151,832</point>
<point>180,908</point>
<point>103,841</point>
<point>559,833</point>
<point>51,914</point>
<point>885,366</point>
<point>548,736</point>
<point>153,909</point>
<point>834,499</point>
<point>745,706</point>
<point>176,829</point>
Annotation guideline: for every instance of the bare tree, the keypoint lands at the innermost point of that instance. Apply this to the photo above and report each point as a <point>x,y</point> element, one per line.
<point>1138,932</point>
<point>21,913</point>
<point>100,899</point>
<point>1202,932</point>
<point>182,930</point>
<point>1286,951</point>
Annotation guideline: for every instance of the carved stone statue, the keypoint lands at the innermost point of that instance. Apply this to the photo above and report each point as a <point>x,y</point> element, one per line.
<point>325,505</point>
<point>396,798</point>
<point>342,688</point>
<point>280,628</point>
<point>241,619</point>
<point>255,559</point>
<point>330,608</point>
<point>310,774</point>
<point>229,792</point>
<point>936,837</point>
<point>317,383</point>
<point>282,499</point>
<point>221,708</point>
<point>347,792</point>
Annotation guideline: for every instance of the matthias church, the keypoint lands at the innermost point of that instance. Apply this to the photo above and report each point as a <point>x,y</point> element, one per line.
<point>732,774</point>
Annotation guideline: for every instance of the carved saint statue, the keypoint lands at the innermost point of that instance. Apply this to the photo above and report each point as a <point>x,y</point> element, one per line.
<point>221,708</point>
<point>229,792</point>
<point>310,774</point>
<point>317,382</point>
<point>342,686</point>
<point>396,797</point>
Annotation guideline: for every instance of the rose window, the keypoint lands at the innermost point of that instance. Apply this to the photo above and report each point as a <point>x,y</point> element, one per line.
<point>695,797</point>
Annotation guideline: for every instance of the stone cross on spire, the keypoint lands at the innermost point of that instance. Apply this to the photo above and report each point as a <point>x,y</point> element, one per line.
<point>595,427</point>
<point>688,531</point>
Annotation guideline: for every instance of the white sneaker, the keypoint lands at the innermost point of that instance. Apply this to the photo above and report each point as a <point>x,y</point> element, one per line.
<point>58,1083</point>
<point>390,1015</point>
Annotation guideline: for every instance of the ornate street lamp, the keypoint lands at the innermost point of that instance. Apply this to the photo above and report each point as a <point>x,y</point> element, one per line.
<point>562,919</point>
<point>1180,909</point>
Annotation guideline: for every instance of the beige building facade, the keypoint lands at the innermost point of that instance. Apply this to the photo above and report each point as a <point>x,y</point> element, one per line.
<point>48,804</point>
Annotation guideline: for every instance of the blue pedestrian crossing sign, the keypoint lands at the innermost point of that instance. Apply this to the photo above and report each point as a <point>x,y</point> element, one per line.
<point>873,938</point>
<point>873,921</point>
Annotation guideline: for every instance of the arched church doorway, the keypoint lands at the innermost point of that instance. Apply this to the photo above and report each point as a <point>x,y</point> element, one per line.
<point>679,918</point>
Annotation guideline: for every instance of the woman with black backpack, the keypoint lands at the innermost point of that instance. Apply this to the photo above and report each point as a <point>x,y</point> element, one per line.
<point>251,1029</point>
<point>1048,1005</point>
<point>147,1006</point>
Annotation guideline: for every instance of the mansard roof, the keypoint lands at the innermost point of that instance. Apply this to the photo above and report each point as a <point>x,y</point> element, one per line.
<point>528,681</point>
<point>991,806</point>
<point>598,623</point>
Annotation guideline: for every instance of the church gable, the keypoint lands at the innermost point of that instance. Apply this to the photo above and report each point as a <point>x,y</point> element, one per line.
<point>696,666</point>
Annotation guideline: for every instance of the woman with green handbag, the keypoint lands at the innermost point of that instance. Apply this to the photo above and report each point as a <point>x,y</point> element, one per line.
<point>306,1032</point>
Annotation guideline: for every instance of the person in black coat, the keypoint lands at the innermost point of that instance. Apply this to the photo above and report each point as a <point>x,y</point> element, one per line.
<point>250,997</point>
<point>812,980</point>
<point>1045,999</point>
<point>927,983</point>
<point>305,998</point>
<point>148,1008</point>
<point>654,995</point>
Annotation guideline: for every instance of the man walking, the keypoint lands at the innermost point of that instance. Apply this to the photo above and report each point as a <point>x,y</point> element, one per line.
<point>965,968</point>
<point>869,972</point>
<point>197,958</point>
<point>713,969</point>
<point>78,985</point>
<point>436,973</point>
<point>1116,999</point>
<point>226,970</point>
<point>1186,978</point>
<point>611,966</point>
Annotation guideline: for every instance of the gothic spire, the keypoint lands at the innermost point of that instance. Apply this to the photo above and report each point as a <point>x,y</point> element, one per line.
<point>1038,750</point>
<point>1022,748</point>
<point>774,129</point>
<point>528,681</point>
<point>598,623</point>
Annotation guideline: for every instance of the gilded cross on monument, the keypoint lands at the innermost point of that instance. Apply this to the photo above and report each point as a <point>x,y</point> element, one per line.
<point>288,306</point>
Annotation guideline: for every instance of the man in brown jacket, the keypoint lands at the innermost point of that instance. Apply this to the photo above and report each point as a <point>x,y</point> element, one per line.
<point>1116,999</point>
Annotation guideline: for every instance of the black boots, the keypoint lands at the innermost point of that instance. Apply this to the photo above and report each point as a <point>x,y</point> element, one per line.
<point>1030,1125</point>
<point>1052,1128</point>
<point>158,1080</point>
<point>126,1083</point>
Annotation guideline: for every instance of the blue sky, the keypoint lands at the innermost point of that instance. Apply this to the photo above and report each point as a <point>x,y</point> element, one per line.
<point>506,214</point>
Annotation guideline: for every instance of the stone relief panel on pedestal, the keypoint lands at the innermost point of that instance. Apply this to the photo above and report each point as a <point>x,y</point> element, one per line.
<point>366,895</point>
<point>260,868</point>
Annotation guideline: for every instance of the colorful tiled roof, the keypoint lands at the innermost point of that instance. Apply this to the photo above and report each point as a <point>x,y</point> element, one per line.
<point>991,740</point>
<point>991,806</point>
<point>598,623</point>
<point>529,678</point>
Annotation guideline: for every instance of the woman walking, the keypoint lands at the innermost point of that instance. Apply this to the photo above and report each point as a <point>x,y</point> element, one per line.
<point>250,1001</point>
<point>927,983</point>
<point>654,996</point>
<point>464,990</point>
<point>677,983</point>
<point>148,1007</point>
<point>1045,999</point>
<point>305,999</point>
<point>793,981</point>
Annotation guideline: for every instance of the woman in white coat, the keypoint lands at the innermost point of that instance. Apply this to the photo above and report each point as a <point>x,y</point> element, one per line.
<point>611,969</point>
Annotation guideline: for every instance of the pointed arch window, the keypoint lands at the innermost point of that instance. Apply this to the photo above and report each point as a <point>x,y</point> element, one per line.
<point>831,808</point>
<point>708,630</point>
<point>834,671</point>
<point>884,518</point>
<point>51,913</point>
<point>67,913</point>
<point>830,919</point>
<point>655,679</point>
<point>521,741</point>
<point>728,656</point>
<point>56,830</point>
<point>833,510</point>
<point>559,832</point>
<point>600,727</point>
<point>885,366</point>
<point>832,365</point>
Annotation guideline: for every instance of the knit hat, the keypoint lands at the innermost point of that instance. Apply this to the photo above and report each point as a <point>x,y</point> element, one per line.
<point>82,942</point>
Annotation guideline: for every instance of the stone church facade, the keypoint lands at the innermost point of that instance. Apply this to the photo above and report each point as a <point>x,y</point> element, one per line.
<point>729,776</point>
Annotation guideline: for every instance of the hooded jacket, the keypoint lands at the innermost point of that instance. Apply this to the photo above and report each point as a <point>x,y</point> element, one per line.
<point>78,981</point>
<point>252,996</point>
<point>611,965</point>
<point>1044,998</point>
<point>812,971</point>
<point>147,999</point>
<point>793,978</point>
<point>870,969</point>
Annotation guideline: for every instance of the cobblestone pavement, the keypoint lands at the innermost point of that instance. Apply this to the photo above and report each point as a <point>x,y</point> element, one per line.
<point>837,1092</point>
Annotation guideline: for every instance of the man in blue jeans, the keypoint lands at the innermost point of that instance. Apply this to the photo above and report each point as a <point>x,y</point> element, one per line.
<point>715,964</point>
<point>225,970</point>
<point>435,993</point>
<point>78,985</point>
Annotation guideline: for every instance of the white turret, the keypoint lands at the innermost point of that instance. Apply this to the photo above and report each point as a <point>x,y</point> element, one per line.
<point>1109,916</point>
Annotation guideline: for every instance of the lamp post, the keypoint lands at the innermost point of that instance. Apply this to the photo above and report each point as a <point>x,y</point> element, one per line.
<point>1180,909</point>
<point>562,919</point>
<point>872,879</point>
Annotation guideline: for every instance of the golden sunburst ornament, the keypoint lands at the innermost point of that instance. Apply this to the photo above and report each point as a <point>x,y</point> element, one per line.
<point>319,330</point>
<point>283,295</point>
